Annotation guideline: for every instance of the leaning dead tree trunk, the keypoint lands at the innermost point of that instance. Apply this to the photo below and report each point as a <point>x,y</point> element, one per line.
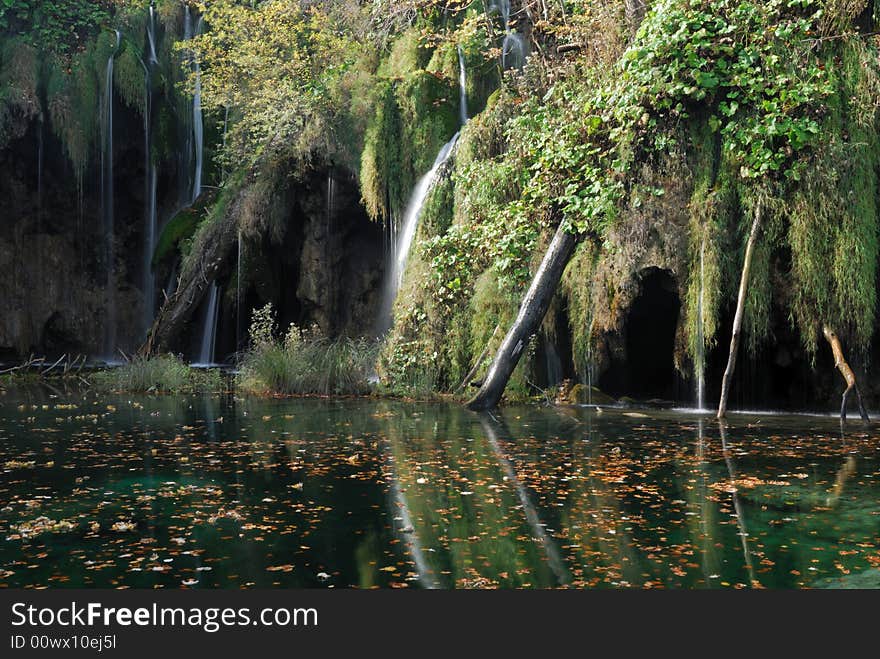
<point>740,311</point>
<point>531,314</point>
<point>848,375</point>
<point>207,258</point>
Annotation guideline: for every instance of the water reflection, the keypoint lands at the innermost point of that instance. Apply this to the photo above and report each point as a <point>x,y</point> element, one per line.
<point>208,492</point>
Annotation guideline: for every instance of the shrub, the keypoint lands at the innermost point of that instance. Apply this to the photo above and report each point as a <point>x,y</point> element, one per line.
<point>161,374</point>
<point>304,361</point>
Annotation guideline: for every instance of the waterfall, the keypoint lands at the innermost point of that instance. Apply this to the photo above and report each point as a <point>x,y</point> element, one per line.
<point>462,88</point>
<point>109,340</point>
<point>151,176</point>
<point>151,231</point>
<point>513,48</point>
<point>329,248</point>
<point>40,129</point>
<point>553,363</point>
<point>198,126</point>
<point>238,295</point>
<point>151,35</point>
<point>414,210</point>
<point>209,327</point>
<point>402,245</point>
<point>700,357</point>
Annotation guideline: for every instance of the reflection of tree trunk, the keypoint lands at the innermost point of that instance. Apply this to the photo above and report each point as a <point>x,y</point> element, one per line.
<point>531,313</point>
<point>553,557</point>
<point>740,311</point>
<point>410,538</point>
<point>841,365</point>
<point>847,469</point>
<point>705,506</point>
<point>737,506</point>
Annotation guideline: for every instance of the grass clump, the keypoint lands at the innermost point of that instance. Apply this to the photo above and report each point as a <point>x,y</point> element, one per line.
<point>304,361</point>
<point>160,374</point>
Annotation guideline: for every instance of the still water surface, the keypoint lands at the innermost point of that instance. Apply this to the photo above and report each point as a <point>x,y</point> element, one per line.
<point>225,492</point>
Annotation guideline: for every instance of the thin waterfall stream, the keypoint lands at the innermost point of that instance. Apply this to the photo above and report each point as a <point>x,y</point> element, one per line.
<point>107,203</point>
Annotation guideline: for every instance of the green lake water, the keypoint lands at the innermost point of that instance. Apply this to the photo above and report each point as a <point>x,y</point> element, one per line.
<point>228,492</point>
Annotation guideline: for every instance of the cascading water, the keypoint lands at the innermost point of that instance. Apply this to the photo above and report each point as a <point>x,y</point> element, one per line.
<point>513,48</point>
<point>151,230</point>
<point>238,294</point>
<point>462,88</point>
<point>209,327</point>
<point>401,247</point>
<point>151,36</point>
<point>198,125</point>
<point>151,220</point>
<point>107,200</point>
<point>700,357</point>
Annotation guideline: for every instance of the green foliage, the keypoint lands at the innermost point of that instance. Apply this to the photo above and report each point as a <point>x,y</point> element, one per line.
<point>577,286</point>
<point>56,25</point>
<point>304,361</point>
<point>832,218</point>
<point>160,374</point>
<point>283,69</point>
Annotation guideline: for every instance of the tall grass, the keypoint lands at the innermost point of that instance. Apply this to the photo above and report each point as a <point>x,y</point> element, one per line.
<point>161,374</point>
<point>304,361</point>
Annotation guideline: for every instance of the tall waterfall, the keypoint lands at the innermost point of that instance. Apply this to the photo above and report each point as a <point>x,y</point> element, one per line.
<point>108,346</point>
<point>151,234</point>
<point>198,125</point>
<point>209,326</point>
<point>394,276</point>
<point>151,177</point>
<point>462,88</point>
<point>700,356</point>
<point>151,36</point>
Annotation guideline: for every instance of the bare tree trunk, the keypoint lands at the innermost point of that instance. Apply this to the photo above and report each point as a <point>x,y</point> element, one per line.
<point>531,313</point>
<point>740,311</point>
<point>841,365</point>
<point>635,13</point>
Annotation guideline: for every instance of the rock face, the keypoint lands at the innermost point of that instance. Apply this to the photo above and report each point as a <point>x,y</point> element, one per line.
<point>307,247</point>
<point>341,260</point>
<point>51,283</point>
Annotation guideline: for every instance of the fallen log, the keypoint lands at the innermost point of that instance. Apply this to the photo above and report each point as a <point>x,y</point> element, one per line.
<point>531,314</point>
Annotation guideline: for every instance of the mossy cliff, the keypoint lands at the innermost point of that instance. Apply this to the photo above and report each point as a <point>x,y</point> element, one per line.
<point>654,133</point>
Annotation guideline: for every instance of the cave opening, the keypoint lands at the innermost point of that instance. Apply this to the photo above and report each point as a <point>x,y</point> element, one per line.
<point>650,336</point>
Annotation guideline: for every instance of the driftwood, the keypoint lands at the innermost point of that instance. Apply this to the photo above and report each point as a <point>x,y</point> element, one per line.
<point>37,364</point>
<point>531,314</point>
<point>740,311</point>
<point>849,376</point>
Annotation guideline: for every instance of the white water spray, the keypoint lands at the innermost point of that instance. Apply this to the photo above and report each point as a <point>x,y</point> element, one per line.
<point>198,125</point>
<point>462,88</point>
<point>401,246</point>
<point>107,201</point>
<point>209,327</point>
<point>700,357</point>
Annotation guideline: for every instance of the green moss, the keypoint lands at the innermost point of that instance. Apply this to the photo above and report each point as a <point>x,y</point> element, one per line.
<point>128,77</point>
<point>832,219</point>
<point>179,228</point>
<point>577,286</point>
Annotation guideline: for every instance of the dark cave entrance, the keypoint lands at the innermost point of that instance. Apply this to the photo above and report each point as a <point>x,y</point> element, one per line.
<point>650,336</point>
